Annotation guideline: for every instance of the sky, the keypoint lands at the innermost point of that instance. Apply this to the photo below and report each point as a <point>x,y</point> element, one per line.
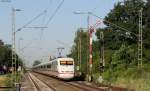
<point>38,44</point>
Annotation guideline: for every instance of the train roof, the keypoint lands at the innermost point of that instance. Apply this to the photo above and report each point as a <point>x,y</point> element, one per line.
<point>43,63</point>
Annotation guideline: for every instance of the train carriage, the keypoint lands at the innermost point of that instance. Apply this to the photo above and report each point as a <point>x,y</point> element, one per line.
<point>62,68</point>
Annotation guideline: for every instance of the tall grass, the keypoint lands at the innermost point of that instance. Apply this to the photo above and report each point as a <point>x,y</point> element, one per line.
<point>132,78</point>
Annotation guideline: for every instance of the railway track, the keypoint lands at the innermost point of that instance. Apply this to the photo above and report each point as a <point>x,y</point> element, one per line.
<point>80,85</point>
<point>56,83</point>
<point>39,85</point>
<point>88,86</point>
<point>66,85</point>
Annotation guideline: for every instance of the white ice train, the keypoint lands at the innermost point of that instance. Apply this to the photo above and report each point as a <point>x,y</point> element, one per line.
<point>62,68</point>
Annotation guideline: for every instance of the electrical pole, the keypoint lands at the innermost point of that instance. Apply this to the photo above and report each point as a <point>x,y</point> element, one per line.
<point>80,45</point>
<point>78,68</point>
<point>140,40</point>
<point>59,51</point>
<point>88,67</point>
<point>102,60</point>
<point>13,45</point>
<point>88,27</point>
<point>91,31</point>
<point>19,52</point>
<point>14,60</point>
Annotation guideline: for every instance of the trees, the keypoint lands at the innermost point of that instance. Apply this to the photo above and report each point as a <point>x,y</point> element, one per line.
<point>6,56</point>
<point>120,44</point>
<point>80,34</point>
<point>36,62</point>
<point>126,14</point>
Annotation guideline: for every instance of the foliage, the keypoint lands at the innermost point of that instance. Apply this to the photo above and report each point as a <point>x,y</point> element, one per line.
<point>121,44</point>
<point>36,62</point>
<point>122,63</point>
<point>80,36</point>
<point>125,15</point>
<point>5,55</point>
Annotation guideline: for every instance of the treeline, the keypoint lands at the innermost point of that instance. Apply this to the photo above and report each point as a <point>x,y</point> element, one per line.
<point>6,58</point>
<point>120,44</point>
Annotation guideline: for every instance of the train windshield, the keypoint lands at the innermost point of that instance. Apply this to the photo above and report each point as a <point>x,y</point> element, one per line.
<point>66,62</point>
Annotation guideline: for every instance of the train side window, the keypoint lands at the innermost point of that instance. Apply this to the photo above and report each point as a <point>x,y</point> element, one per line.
<point>45,66</point>
<point>49,66</point>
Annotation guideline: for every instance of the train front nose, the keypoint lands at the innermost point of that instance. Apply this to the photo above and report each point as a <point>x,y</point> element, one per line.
<point>66,76</point>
